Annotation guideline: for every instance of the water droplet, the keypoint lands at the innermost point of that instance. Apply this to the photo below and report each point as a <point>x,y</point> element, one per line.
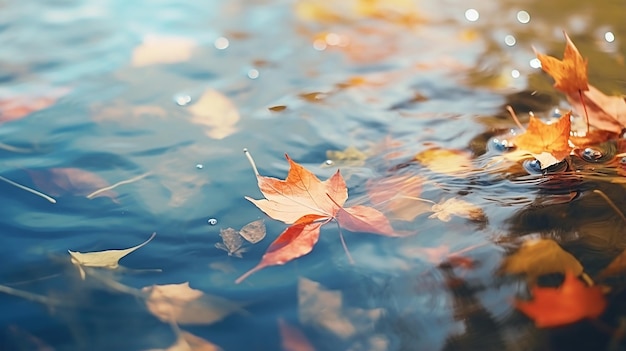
<point>221,43</point>
<point>199,166</point>
<point>523,16</point>
<point>182,99</point>
<point>212,221</point>
<point>590,154</point>
<point>609,37</point>
<point>499,145</point>
<point>623,160</point>
<point>532,166</point>
<point>535,63</point>
<point>510,40</point>
<point>472,15</point>
<point>253,74</point>
<point>328,162</point>
<point>515,73</point>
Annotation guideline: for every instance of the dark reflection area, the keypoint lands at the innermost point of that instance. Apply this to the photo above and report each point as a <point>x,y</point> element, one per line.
<point>73,314</point>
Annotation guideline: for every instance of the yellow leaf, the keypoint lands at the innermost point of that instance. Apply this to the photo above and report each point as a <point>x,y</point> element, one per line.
<point>452,162</point>
<point>181,304</point>
<point>105,259</point>
<point>217,113</point>
<point>453,206</point>
<point>162,49</point>
<point>549,143</point>
<point>570,74</point>
<point>541,256</point>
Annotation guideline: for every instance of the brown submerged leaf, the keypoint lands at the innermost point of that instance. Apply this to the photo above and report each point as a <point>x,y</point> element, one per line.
<point>541,256</point>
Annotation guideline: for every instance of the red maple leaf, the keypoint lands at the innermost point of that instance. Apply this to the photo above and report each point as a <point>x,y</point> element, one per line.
<point>571,302</point>
<point>308,203</point>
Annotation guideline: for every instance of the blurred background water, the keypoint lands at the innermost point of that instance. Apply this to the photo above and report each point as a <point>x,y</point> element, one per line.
<point>94,93</point>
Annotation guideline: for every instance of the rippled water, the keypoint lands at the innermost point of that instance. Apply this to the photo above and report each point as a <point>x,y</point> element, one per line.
<point>96,93</point>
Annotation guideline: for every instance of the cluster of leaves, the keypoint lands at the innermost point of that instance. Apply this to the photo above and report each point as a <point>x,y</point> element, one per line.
<point>605,116</point>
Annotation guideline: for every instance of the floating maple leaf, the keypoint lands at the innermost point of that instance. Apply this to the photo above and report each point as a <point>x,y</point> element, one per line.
<point>548,143</point>
<point>571,302</point>
<point>307,202</point>
<point>570,75</point>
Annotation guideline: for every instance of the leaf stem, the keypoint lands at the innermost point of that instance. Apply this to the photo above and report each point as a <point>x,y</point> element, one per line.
<point>582,101</point>
<point>32,191</point>
<point>611,203</point>
<point>510,109</point>
<point>343,243</point>
<point>251,160</point>
<point>110,187</point>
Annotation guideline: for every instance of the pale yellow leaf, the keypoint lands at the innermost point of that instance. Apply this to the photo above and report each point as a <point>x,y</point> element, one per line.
<point>448,161</point>
<point>162,50</point>
<point>216,113</point>
<point>181,304</point>
<point>106,259</point>
<point>453,206</point>
<point>541,256</point>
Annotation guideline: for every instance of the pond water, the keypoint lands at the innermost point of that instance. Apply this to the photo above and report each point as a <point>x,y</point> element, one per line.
<point>157,99</point>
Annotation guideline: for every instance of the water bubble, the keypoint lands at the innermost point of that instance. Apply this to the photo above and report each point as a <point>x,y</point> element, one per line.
<point>523,17</point>
<point>221,43</point>
<point>253,74</point>
<point>472,15</point>
<point>535,63</point>
<point>510,40</point>
<point>515,73</point>
<point>212,221</point>
<point>532,166</point>
<point>182,99</point>
<point>609,37</point>
<point>329,162</point>
<point>199,166</point>
<point>591,154</point>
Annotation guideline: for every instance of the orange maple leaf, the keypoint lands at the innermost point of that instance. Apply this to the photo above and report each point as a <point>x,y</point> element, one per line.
<point>571,302</point>
<point>570,74</point>
<point>546,138</point>
<point>308,203</point>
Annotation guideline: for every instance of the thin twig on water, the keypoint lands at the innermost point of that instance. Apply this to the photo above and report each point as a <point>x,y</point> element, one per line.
<point>110,187</point>
<point>32,191</point>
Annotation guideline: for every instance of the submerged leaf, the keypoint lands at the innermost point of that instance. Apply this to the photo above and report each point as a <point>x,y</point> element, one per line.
<point>60,181</point>
<point>453,206</point>
<point>105,259</point>
<point>398,195</point>
<point>292,339</point>
<point>162,50</point>
<point>451,162</point>
<point>571,302</point>
<point>217,113</point>
<point>181,304</point>
<point>254,231</point>
<point>323,309</point>
<point>541,256</point>
<point>231,242</point>
<point>189,342</point>
<point>617,266</point>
